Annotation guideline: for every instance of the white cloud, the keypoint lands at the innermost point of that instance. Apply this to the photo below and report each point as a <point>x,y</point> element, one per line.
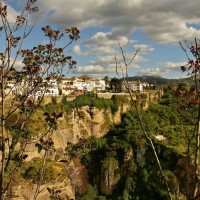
<point>163,69</point>
<point>104,45</point>
<point>18,64</point>
<point>110,59</point>
<point>77,49</point>
<point>153,71</point>
<point>12,14</point>
<point>107,38</point>
<point>105,69</point>
<point>163,21</point>
<point>144,48</point>
<point>106,42</point>
<point>129,56</point>
<point>171,65</point>
<point>103,60</point>
<point>92,69</point>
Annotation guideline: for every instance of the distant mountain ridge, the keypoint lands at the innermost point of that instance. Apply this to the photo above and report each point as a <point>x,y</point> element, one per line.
<point>159,80</point>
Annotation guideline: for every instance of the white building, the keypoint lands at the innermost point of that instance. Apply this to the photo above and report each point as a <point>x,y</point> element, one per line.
<point>136,86</point>
<point>69,85</point>
<point>52,88</point>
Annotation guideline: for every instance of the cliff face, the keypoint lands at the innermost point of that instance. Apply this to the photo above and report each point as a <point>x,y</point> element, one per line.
<point>80,123</point>
<point>85,122</point>
<point>25,190</point>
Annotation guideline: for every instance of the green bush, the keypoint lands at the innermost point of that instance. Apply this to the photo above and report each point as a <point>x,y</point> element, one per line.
<point>90,195</point>
<point>100,198</point>
<point>143,96</point>
<point>32,170</point>
<point>100,103</point>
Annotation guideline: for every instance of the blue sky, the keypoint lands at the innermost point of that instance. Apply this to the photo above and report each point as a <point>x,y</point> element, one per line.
<point>157,27</point>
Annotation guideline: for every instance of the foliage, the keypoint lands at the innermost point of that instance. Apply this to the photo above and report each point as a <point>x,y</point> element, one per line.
<point>35,124</point>
<point>112,104</point>
<point>52,170</point>
<point>125,148</point>
<point>143,96</point>
<point>91,194</point>
<point>116,84</point>
<point>110,163</point>
<point>22,89</point>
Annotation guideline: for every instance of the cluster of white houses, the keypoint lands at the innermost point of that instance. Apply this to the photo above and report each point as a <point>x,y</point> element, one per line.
<point>67,86</point>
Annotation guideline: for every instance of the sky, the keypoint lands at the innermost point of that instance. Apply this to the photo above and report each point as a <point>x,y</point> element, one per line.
<point>156,27</point>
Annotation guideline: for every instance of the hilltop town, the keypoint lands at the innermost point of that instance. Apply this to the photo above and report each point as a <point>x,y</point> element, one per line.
<point>73,86</point>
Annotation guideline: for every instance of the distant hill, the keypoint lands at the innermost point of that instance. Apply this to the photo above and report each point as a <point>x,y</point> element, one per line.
<point>159,80</point>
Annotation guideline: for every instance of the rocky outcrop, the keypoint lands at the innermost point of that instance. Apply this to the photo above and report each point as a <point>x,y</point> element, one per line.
<point>109,175</point>
<point>26,190</point>
<point>74,177</point>
<point>62,191</point>
<point>80,123</point>
<point>83,123</point>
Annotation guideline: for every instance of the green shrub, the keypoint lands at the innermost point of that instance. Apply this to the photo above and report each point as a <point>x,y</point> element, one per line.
<point>100,198</point>
<point>90,195</point>
<point>143,96</point>
<point>32,170</point>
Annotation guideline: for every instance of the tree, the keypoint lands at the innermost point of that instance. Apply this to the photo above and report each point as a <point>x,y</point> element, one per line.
<point>107,80</point>
<point>188,104</point>
<point>116,84</point>
<point>122,67</point>
<point>191,99</point>
<point>184,86</point>
<point>25,87</point>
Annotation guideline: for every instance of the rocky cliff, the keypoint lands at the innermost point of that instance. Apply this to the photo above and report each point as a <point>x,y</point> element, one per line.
<point>79,123</point>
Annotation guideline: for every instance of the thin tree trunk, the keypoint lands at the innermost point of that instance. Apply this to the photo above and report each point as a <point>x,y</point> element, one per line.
<point>187,170</point>
<point>151,144</point>
<point>37,191</point>
<point>196,188</point>
<point>197,140</point>
<point>2,133</point>
<point>125,78</point>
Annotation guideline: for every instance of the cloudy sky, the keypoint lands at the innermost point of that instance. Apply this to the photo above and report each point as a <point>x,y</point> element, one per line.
<point>155,26</point>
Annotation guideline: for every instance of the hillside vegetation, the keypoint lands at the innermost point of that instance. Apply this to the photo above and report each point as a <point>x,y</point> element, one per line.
<point>121,165</point>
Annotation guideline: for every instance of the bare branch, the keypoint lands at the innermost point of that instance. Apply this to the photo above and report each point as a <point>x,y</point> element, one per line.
<point>125,78</point>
